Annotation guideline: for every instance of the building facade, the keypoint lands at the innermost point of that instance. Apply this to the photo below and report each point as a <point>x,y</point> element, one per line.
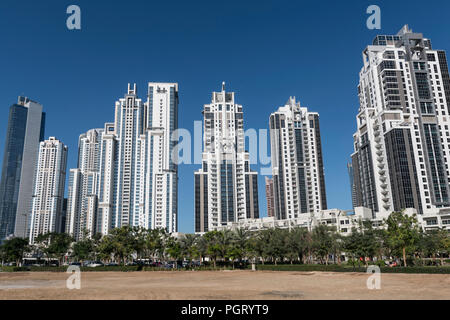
<point>343,221</point>
<point>226,189</point>
<point>402,142</point>
<point>270,197</point>
<point>26,125</point>
<point>81,217</point>
<point>48,195</point>
<point>352,184</point>
<point>297,162</point>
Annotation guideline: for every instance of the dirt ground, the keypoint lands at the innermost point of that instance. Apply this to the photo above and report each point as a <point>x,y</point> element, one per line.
<point>226,285</point>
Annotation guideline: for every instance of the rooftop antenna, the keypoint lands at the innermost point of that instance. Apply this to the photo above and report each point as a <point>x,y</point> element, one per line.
<point>223,86</point>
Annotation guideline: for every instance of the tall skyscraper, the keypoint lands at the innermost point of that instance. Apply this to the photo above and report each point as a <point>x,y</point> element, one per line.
<point>129,126</point>
<point>402,142</point>
<point>134,178</point>
<point>83,187</point>
<point>226,189</point>
<point>297,163</point>
<point>25,130</point>
<point>48,195</point>
<point>270,197</point>
<point>161,163</point>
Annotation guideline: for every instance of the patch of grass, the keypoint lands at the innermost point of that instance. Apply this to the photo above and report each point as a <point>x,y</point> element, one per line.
<point>109,269</point>
<point>337,268</point>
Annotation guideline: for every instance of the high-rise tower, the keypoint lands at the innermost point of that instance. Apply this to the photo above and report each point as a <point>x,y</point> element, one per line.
<point>138,176</point>
<point>297,162</point>
<point>402,142</point>
<point>25,130</point>
<point>48,195</point>
<point>226,189</point>
<point>81,218</point>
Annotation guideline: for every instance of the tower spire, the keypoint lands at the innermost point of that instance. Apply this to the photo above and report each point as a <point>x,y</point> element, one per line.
<point>223,85</point>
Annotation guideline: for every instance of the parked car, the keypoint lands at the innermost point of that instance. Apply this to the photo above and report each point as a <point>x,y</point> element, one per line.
<point>393,264</point>
<point>95,264</point>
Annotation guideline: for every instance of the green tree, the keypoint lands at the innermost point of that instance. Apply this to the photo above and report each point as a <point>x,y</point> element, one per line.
<point>188,247</point>
<point>54,245</point>
<point>225,240</point>
<point>201,248</point>
<point>14,250</point>
<point>139,244</point>
<point>322,242</point>
<point>273,241</point>
<point>212,244</point>
<point>240,244</point>
<point>298,243</point>
<point>363,242</point>
<point>403,234</point>
<point>256,246</point>
<point>121,243</point>
<point>174,249</point>
<point>433,244</point>
<point>106,248</point>
<point>83,250</point>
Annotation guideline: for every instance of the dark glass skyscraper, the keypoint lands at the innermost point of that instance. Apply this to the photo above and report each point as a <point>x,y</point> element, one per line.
<point>25,130</point>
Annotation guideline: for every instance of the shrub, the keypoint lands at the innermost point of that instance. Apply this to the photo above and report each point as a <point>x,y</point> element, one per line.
<point>336,268</point>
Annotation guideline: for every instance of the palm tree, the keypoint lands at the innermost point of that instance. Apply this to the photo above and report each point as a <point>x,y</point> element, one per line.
<point>188,246</point>
<point>322,242</point>
<point>240,246</point>
<point>297,244</point>
<point>212,244</point>
<point>224,241</point>
<point>201,248</point>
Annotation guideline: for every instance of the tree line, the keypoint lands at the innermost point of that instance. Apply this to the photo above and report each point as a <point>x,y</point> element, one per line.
<point>401,239</point>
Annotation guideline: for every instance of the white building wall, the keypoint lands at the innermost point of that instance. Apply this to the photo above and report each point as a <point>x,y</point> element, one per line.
<point>49,188</point>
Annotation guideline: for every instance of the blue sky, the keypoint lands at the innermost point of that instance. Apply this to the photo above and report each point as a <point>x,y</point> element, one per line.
<point>266,51</point>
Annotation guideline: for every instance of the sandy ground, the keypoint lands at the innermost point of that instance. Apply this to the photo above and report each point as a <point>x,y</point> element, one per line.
<point>227,285</point>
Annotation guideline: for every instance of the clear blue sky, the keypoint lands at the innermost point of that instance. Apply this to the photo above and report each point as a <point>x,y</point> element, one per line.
<point>266,51</point>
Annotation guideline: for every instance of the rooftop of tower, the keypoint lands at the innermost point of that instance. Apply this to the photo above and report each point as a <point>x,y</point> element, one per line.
<point>23,101</point>
<point>382,40</point>
<point>222,96</point>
